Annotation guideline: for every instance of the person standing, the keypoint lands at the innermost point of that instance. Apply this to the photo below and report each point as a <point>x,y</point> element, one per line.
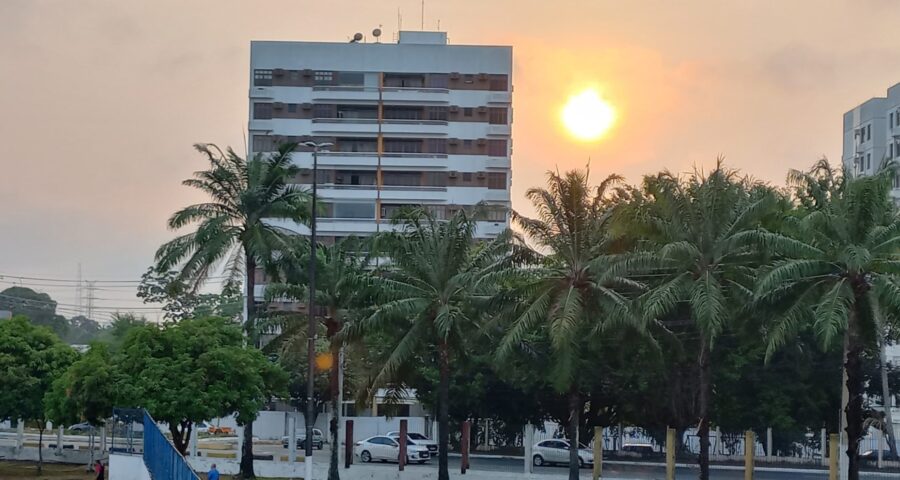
<point>99,469</point>
<point>213,473</point>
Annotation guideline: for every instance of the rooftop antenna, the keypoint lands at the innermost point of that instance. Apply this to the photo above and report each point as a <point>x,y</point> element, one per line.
<point>423,15</point>
<point>439,25</point>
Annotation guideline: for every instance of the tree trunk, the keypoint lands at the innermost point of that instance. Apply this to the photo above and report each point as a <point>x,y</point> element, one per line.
<point>40,468</point>
<point>574,420</point>
<point>246,468</point>
<point>444,411</point>
<point>332,329</point>
<point>180,437</point>
<point>853,409</point>
<point>887,398</point>
<point>703,426</point>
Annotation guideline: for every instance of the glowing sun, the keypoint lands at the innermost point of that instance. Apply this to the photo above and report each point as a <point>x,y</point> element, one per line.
<point>587,116</point>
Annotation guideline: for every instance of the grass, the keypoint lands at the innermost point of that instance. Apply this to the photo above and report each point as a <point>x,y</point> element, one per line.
<point>52,471</point>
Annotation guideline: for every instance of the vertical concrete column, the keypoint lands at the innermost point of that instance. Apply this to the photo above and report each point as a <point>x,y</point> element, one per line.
<point>879,441</point>
<point>834,453</point>
<point>103,446</point>
<point>718,448</point>
<point>20,434</point>
<point>465,443</point>
<point>529,443</point>
<point>292,438</point>
<point>671,446</point>
<point>348,442</point>
<point>749,453</point>
<point>403,432</point>
<point>240,442</point>
<point>194,442</point>
<point>598,452</point>
<point>770,455</point>
<point>824,448</point>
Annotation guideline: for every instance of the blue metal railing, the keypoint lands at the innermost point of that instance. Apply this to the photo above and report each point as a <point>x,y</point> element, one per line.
<point>160,457</point>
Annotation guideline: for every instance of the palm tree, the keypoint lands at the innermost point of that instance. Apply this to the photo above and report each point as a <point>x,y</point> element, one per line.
<point>838,273</point>
<point>572,294</point>
<point>232,229</point>
<point>700,249</point>
<point>339,271</point>
<point>437,275</point>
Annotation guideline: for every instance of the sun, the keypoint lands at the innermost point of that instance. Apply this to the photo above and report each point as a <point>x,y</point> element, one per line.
<point>587,116</point>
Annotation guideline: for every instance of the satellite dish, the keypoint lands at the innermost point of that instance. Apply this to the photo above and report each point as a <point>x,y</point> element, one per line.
<point>357,37</point>
<point>376,33</point>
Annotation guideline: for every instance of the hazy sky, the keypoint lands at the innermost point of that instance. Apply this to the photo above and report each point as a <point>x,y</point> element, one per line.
<point>101,100</point>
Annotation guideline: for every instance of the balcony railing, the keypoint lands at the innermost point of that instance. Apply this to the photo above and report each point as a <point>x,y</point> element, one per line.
<point>373,121</point>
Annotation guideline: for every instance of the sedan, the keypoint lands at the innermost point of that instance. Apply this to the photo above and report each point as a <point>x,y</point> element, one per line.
<point>556,452</point>
<point>318,440</point>
<point>417,439</point>
<point>81,427</point>
<point>386,449</point>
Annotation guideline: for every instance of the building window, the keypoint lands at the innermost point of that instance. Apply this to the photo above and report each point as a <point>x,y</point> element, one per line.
<point>437,113</point>
<point>498,116</point>
<point>354,210</point>
<point>438,80</point>
<point>324,110</point>
<point>869,131</point>
<point>403,179</point>
<point>891,122</point>
<point>436,179</point>
<point>467,112</point>
<point>497,148</point>
<point>436,145</point>
<point>868,161</point>
<point>891,150</point>
<point>351,78</point>
<point>496,214</point>
<point>467,144</point>
<point>496,181</point>
<point>467,177</point>
<point>323,78</point>
<point>263,143</point>
<point>262,111</point>
<point>395,145</point>
<point>262,78</point>
<point>292,108</point>
<point>499,83</point>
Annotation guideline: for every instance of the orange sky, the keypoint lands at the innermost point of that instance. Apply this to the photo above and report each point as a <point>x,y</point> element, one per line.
<point>102,99</point>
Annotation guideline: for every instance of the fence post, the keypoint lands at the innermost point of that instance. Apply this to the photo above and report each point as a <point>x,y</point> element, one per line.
<point>103,439</point>
<point>402,460</point>
<point>670,453</point>
<point>822,449</point>
<point>20,434</point>
<point>292,438</point>
<point>749,451</point>
<point>240,443</point>
<point>529,443</point>
<point>718,448</point>
<point>193,441</point>
<point>833,455</point>
<point>879,441</point>
<point>59,440</point>
<point>770,455</point>
<point>348,442</point>
<point>464,446</point>
<point>598,452</point>
<point>621,438</point>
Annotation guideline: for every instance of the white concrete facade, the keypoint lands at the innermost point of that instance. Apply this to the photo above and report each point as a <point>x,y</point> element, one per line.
<point>872,135</point>
<point>418,122</point>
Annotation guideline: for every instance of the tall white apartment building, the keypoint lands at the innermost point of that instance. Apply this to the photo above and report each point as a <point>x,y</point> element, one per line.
<point>418,122</point>
<point>872,135</point>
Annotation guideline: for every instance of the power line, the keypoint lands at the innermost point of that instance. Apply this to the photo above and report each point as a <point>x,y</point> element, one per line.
<point>74,282</point>
<point>26,301</point>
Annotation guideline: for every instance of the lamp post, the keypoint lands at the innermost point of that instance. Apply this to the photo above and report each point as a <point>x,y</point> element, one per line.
<point>311,313</point>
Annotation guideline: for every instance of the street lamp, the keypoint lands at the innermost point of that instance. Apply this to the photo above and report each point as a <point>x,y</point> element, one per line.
<point>311,312</point>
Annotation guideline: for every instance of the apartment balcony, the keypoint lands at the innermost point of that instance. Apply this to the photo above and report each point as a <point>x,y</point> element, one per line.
<point>500,97</point>
<point>499,130</point>
<point>344,93</point>
<point>416,95</point>
<point>261,93</point>
<point>404,193</point>
<point>370,160</point>
<point>351,126</point>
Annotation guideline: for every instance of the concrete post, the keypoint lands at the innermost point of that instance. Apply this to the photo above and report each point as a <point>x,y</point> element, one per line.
<point>348,442</point>
<point>464,444</point>
<point>529,443</point>
<point>621,438</point>
<point>770,455</point>
<point>292,438</point>
<point>103,438</point>
<point>193,442</point>
<point>879,440</point>
<point>833,455</point>
<point>823,449</point>
<point>20,434</point>
<point>59,440</point>
<point>240,442</point>
<point>598,452</point>
<point>718,445</point>
<point>749,451</point>
<point>670,453</point>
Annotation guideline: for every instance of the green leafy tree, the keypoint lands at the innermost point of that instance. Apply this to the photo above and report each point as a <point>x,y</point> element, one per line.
<point>31,359</point>
<point>339,269</point>
<point>428,296</point>
<point>39,308</point>
<point>838,273</point>
<point>235,228</point>
<point>87,391</point>
<point>573,295</point>
<point>179,300</point>
<point>196,370</point>
<point>700,247</point>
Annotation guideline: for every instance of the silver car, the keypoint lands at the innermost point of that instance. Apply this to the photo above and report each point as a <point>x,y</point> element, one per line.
<point>386,449</point>
<point>556,452</point>
<point>417,439</point>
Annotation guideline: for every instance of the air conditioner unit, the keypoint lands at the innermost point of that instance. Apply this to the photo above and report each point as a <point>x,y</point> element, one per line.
<point>278,72</point>
<point>453,141</point>
<point>482,175</point>
<point>454,75</point>
<point>453,109</point>
<point>306,106</point>
<point>453,174</point>
<point>482,142</point>
<point>307,72</point>
<point>482,76</point>
<point>278,106</point>
<point>482,109</point>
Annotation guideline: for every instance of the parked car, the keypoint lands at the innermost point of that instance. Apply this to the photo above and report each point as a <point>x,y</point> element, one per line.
<point>318,439</point>
<point>556,452</point>
<point>386,449</point>
<point>871,456</point>
<point>214,430</point>
<point>201,427</point>
<point>638,450</point>
<point>413,438</point>
<point>81,427</point>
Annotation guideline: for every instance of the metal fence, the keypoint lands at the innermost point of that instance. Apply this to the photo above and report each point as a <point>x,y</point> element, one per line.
<point>160,456</point>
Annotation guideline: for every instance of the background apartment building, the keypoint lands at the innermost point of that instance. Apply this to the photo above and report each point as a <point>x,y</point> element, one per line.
<point>872,135</point>
<point>418,122</point>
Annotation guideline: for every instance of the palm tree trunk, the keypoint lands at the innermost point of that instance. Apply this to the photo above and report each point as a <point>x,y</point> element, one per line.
<point>853,410</point>
<point>246,468</point>
<point>703,427</point>
<point>444,411</point>
<point>886,398</point>
<point>574,420</point>
<point>333,471</point>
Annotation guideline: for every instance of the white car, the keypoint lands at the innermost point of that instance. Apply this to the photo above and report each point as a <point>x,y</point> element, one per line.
<point>556,452</point>
<point>417,439</point>
<point>201,427</point>
<point>386,449</point>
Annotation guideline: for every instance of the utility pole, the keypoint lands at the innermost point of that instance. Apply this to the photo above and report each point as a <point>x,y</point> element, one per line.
<point>89,287</point>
